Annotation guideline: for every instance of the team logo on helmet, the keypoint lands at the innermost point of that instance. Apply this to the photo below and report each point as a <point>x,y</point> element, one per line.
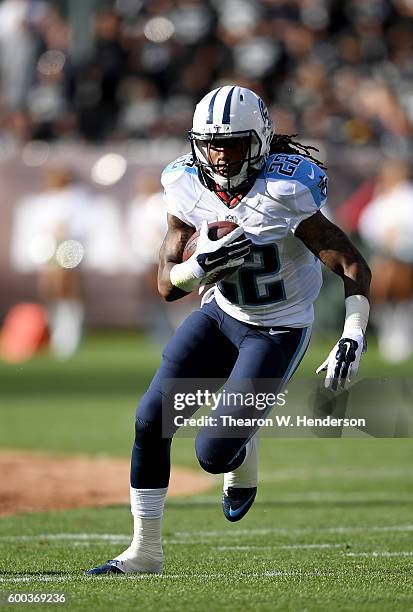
<point>264,113</point>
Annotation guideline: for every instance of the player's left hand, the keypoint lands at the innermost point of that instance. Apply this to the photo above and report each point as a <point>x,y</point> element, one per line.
<point>343,361</point>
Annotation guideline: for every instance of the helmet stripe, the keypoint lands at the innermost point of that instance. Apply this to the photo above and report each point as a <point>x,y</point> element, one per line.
<point>210,118</point>
<point>227,107</point>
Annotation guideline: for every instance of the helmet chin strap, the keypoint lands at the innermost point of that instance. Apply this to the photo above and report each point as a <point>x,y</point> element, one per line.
<point>230,182</point>
<point>227,184</point>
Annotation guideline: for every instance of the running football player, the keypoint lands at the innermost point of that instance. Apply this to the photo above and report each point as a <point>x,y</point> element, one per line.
<point>256,323</point>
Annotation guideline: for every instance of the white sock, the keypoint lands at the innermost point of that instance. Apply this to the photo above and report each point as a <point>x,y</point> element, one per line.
<point>246,475</point>
<point>145,551</point>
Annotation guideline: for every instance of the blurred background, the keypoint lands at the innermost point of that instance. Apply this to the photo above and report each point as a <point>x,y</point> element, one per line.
<point>96,98</point>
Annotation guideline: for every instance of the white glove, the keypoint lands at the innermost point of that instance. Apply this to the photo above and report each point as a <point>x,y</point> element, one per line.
<point>343,361</point>
<point>210,256</point>
<point>226,252</point>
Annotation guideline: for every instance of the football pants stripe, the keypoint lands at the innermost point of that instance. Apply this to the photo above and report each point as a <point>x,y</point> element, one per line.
<point>298,355</point>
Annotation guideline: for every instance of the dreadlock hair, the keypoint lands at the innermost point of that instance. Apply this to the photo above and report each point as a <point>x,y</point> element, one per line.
<point>284,143</point>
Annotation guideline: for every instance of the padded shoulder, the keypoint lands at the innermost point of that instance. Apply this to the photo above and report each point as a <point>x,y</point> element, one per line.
<point>294,174</point>
<point>181,167</point>
<point>179,187</point>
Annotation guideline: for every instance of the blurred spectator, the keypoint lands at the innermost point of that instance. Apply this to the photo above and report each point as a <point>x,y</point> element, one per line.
<point>386,224</point>
<point>56,249</point>
<point>18,52</point>
<point>53,232</point>
<point>146,229</point>
<point>98,78</point>
<point>146,222</point>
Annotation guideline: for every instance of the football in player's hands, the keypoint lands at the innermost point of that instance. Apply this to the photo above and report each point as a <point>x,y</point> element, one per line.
<point>216,230</point>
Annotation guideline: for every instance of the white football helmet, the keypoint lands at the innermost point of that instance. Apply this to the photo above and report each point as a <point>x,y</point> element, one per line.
<point>231,112</point>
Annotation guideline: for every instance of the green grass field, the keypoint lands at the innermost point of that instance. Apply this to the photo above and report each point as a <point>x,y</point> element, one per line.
<point>331,528</point>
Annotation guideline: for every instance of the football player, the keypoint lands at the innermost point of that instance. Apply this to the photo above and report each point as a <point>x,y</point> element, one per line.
<point>256,323</point>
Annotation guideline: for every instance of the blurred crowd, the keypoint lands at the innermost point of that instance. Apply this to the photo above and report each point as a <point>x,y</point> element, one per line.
<point>335,70</point>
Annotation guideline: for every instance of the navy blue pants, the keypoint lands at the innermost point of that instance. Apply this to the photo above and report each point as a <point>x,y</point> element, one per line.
<point>209,344</point>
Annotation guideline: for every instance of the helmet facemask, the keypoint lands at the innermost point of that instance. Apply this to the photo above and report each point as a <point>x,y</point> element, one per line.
<point>231,176</point>
<point>230,112</point>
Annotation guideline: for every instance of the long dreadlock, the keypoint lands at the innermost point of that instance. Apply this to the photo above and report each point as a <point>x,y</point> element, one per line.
<point>284,143</point>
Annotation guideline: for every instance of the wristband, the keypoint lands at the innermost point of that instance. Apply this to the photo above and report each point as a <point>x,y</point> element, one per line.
<point>187,275</point>
<point>357,314</point>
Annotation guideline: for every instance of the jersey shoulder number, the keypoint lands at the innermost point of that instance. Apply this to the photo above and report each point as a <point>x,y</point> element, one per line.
<point>283,165</point>
<point>184,163</point>
<point>176,174</point>
<point>297,168</point>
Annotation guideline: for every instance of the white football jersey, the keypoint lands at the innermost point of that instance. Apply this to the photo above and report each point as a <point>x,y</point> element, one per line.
<point>281,278</point>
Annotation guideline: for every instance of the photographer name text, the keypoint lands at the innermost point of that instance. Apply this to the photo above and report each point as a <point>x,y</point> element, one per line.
<point>276,421</point>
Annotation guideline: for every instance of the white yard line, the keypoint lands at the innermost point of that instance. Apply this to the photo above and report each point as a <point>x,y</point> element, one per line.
<point>384,553</point>
<point>200,535</point>
<point>70,536</point>
<point>319,496</point>
<point>280,547</point>
<point>40,578</point>
<point>335,472</point>
<point>292,531</point>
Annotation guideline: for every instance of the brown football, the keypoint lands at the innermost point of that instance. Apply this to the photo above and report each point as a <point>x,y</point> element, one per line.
<point>216,230</point>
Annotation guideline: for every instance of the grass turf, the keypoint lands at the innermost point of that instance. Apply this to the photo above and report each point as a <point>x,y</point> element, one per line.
<point>331,527</point>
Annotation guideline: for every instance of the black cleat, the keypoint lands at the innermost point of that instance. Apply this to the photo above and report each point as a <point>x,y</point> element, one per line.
<point>110,567</point>
<point>237,502</point>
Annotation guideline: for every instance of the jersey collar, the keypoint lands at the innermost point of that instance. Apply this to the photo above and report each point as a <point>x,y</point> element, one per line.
<point>229,199</point>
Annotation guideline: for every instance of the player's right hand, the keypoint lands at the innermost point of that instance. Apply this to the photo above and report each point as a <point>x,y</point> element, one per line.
<point>226,252</point>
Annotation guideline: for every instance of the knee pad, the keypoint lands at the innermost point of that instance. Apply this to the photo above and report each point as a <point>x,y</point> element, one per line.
<point>218,455</point>
<point>144,429</point>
